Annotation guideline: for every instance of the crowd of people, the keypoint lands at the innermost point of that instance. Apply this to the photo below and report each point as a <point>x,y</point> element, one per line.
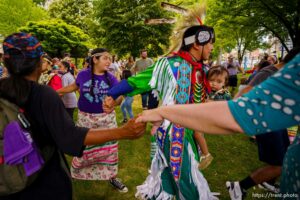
<point>195,99</point>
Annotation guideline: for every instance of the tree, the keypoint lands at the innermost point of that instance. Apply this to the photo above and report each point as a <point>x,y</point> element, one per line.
<point>57,37</point>
<point>40,2</point>
<point>16,13</point>
<point>280,18</point>
<point>122,27</point>
<point>74,12</point>
<point>233,30</point>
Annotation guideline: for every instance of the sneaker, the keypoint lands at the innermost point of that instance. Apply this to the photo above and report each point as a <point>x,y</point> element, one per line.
<point>235,190</point>
<point>269,187</point>
<point>118,185</point>
<point>205,161</point>
<point>124,121</point>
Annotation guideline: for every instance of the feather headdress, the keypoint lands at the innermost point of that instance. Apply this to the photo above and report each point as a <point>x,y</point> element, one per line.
<point>193,17</point>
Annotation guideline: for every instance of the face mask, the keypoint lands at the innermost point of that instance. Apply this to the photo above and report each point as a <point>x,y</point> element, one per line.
<point>55,67</point>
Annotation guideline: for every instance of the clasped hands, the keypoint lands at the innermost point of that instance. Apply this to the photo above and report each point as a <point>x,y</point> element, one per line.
<point>108,104</point>
<point>136,124</point>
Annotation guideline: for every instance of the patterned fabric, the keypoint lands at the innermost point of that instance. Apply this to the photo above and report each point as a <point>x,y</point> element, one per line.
<point>199,93</point>
<point>26,43</point>
<point>45,78</point>
<point>274,105</point>
<point>153,147</point>
<point>165,180</point>
<point>99,162</point>
<point>220,95</point>
<point>182,97</point>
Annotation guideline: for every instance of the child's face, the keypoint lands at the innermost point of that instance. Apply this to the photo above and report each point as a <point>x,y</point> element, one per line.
<point>103,62</point>
<point>217,82</point>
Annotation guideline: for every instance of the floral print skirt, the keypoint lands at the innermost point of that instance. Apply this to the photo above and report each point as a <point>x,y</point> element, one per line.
<point>98,162</point>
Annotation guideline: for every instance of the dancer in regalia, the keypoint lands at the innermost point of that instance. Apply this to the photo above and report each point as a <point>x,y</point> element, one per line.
<point>177,79</point>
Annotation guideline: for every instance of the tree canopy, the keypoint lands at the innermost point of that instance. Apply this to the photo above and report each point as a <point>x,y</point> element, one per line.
<point>280,18</point>
<point>233,31</point>
<point>16,13</point>
<point>74,12</point>
<point>57,37</point>
<point>122,29</point>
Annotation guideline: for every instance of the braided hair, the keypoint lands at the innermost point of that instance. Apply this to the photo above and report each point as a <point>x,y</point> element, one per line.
<point>91,64</point>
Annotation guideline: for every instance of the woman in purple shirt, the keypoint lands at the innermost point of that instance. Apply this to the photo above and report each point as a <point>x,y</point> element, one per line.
<point>98,162</point>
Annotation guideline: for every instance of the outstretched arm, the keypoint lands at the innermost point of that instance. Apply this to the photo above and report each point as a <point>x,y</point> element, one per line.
<point>131,130</point>
<point>70,88</point>
<point>275,98</point>
<point>213,118</point>
<point>133,85</point>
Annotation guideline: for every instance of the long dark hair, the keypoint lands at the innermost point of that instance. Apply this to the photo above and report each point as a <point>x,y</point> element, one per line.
<point>96,51</point>
<point>16,88</point>
<point>66,65</point>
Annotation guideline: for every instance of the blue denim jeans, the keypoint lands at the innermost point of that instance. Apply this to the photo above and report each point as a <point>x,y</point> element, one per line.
<point>127,106</point>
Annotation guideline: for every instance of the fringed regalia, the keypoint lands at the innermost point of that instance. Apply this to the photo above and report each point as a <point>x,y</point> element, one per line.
<point>174,169</point>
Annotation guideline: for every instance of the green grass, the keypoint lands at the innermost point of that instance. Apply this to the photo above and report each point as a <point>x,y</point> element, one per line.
<point>234,158</point>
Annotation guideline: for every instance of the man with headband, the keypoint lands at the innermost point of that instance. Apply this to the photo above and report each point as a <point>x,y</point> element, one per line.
<point>176,79</point>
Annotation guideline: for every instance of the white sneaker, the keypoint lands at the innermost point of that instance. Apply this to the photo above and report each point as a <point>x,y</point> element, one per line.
<point>234,190</point>
<point>269,187</point>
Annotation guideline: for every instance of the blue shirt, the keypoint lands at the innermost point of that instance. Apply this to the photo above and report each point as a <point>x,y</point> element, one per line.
<point>274,105</point>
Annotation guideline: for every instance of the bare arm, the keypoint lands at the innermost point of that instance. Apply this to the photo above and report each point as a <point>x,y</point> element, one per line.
<point>213,118</point>
<point>70,88</point>
<point>131,130</point>
<point>118,101</point>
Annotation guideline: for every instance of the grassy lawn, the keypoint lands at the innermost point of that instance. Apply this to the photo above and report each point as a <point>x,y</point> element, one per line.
<point>234,158</point>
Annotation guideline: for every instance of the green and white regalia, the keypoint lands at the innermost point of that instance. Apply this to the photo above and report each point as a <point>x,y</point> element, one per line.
<point>174,168</point>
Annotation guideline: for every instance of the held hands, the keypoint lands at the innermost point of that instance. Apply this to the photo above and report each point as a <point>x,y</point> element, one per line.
<point>108,104</point>
<point>152,116</point>
<point>133,129</point>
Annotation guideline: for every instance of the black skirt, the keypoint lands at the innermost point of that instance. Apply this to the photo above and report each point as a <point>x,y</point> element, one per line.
<point>272,147</point>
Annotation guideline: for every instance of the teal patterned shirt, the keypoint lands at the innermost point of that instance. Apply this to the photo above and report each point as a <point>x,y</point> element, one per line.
<point>274,105</point>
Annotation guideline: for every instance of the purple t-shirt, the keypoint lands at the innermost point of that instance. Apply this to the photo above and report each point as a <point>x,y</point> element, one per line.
<point>102,83</point>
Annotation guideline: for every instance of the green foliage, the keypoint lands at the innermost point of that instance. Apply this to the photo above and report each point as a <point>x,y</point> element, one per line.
<point>280,18</point>
<point>122,29</point>
<point>16,13</point>
<point>39,2</point>
<point>74,12</point>
<point>233,30</point>
<point>57,37</point>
